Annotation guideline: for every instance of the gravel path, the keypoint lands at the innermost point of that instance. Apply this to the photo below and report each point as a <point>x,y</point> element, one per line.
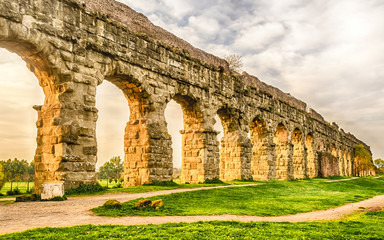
<point>75,211</point>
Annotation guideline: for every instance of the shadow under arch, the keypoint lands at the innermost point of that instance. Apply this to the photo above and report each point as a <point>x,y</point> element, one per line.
<point>312,165</point>
<point>147,145</point>
<point>282,153</point>
<point>235,151</point>
<point>262,152</point>
<point>298,158</point>
<point>197,163</point>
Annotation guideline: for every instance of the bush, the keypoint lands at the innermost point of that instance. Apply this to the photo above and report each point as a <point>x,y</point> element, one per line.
<point>85,188</point>
<point>119,185</point>
<point>214,180</point>
<point>63,198</point>
<point>15,191</point>
<point>25,198</point>
<point>2,179</point>
<point>146,204</point>
<point>112,204</point>
<point>161,183</point>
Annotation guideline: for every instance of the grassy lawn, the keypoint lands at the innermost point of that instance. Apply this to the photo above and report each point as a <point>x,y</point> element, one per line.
<point>21,185</point>
<point>143,189</point>
<point>273,198</point>
<point>369,225</point>
<point>112,188</point>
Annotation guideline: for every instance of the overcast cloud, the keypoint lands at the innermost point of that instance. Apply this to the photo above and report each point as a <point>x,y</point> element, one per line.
<point>326,53</point>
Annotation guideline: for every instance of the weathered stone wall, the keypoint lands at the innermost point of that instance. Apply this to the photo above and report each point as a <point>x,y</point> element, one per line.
<point>72,46</point>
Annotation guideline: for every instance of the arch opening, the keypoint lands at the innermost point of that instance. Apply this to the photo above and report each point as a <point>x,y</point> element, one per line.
<point>345,163</point>
<point>230,147</point>
<point>311,160</point>
<point>340,162</point>
<point>261,159</point>
<point>21,88</point>
<point>334,164</point>
<point>194,141</point>
<point>113,115</point>
<point>298,157</point>
<point>174,117</point>
<point>350,166</point>
<point>282,153</point>
<point>147,145</point>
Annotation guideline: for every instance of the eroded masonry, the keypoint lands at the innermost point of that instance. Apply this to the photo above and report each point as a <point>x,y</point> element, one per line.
<point>72,46</point>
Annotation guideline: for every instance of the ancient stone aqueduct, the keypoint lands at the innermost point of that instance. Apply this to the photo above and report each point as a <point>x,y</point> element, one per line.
<point>72,46</point>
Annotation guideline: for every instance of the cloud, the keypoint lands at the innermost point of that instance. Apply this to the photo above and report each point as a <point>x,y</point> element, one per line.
<point>327,53</point>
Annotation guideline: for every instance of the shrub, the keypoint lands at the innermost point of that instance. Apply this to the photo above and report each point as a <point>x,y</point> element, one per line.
<point>146,204</point>
<point>2,179</point>
<point>25,198</point>
<point>85,188</point>
<point>63,198</point>
<point>214,180</point>
<point>112,204</point>
<point>161,183</point>
<point>119,185</point>
<point>15,191</point>
<point>142,204</point>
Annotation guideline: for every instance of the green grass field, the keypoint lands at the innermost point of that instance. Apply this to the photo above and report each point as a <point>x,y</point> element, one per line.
<point>112,188</point>
<point>369,225</point>
<point>21,185</point>
<point>273,198</point>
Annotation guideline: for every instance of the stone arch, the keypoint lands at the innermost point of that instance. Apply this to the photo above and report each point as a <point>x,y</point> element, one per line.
<point>113,115</point>
<point>262,152</point>
<point>53,159</point>
<point>340,160</point>
<point>311,159</point>
<point>235,149</point>
<point>349,163</point>
<point>298,154</point>
<point>282,152</point>
<point>345,163</point>
<point>199,145</point>
<point>147,144</point>
<point>174,118</point>
<point>334,166</point>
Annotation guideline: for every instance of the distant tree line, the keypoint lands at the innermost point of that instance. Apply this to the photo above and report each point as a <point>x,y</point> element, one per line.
<point>112,170</point>
<point>16,171</point>
<point>380,165</point>
<point>364,165</point>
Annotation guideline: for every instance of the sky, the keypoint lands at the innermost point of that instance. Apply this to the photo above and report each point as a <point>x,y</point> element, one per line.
<point>327,53</point>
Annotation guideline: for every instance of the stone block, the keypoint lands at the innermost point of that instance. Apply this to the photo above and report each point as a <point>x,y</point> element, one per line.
<point>51,190</point>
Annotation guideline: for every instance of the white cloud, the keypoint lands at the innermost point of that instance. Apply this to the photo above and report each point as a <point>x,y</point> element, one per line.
<point>327,53</point>
<point>259,37</point>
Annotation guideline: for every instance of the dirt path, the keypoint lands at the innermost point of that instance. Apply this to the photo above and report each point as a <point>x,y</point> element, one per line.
<point>341,180</point>
<point>75,211</point>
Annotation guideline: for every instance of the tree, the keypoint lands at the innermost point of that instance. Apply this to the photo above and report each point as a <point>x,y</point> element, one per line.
<point>2,179</point>
<point>112,169</point>
<point>29,173</point>
<point>363,161</point>
<point>234,61</point>
<point>14,170</point>
<point>379,163</point>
